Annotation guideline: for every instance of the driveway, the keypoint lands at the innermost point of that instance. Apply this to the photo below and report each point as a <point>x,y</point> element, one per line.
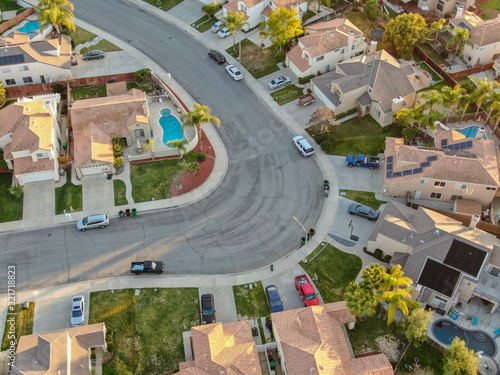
<point>98,194</point>
<point>357,178</point>
<point>225,308</point>
<point>39,200</point>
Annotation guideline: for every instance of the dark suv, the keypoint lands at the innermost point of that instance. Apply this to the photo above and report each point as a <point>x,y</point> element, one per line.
<point>207,309</point>
<point>93,55</point>
<point>217,56</point>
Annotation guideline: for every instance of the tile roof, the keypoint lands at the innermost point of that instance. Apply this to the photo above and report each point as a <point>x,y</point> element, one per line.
<point>26,165</point>
<point>288,3</point>
<point>313,341</point>
<point>468,207</point>
<point>232,6</point>
<point>481,32</point>
<point>62,352</point>
<point>295,55</point>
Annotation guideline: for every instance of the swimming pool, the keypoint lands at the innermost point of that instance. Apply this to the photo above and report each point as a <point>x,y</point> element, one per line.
<point>172,128</point>
<point>471,132</point>
<point>29,27</point>
<point>445,331</point>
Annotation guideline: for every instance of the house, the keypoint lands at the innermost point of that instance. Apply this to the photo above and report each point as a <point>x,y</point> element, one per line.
<point>313,340</point>
<point>446,260</point>
<point>95,122</point>
<point>23,62</point>
<point>324,46</point>
<point>31,139</point>
<point>485,36</point>
<point>257,11</point>
<point>222,348</point>
<point>457,168</point>
<point>66,351</point>
<point>441,7</point>
<point>375,84</point>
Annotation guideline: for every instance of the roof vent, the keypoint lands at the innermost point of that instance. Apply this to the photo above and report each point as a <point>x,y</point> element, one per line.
<point>411,235</point>
<point>404,240</point>
<point>436,232</point>
<point>422,241</point>
<point>397,99</point>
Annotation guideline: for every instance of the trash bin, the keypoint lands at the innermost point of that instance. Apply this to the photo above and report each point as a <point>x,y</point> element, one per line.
<point>134,212</point>
<point>311,233</point>
<point>127,211</point>
<point>303,240</point>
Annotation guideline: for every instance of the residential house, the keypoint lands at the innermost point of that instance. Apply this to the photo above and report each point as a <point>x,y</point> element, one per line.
<point>376,84</point>
<point>222,348</point>
<point>31,139</point>
<point>457,168</point>
<point>257,11</point>
<point>447,261</point>
<point>324,46</point>
<point>23,62</point>
<point>95,122</point>
<point>441,7</point>
<point>313,340</point>
<point>485,36</point>
<point>66,351</point>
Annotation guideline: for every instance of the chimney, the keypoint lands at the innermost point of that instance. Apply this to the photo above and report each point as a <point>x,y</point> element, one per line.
<point>373,47</point>
<point>397,104</point>
<point>460,11</point>
<point>473,221</point>
<point>350,40</point>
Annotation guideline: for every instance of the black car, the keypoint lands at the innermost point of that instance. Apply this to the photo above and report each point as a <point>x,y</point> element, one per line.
<point>93,55</point>
<point>207,309</point>
<point>217,56</point>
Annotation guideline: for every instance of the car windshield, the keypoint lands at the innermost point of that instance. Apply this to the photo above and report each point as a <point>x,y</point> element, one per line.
<point>275,303</point>
<point>310,296</point>
<point>85,220</point>
<point>208,311</point>
<point>76,313</point>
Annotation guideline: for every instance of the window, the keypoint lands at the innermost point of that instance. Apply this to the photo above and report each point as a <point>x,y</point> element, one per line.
<point>460,186</point>
<point>27,80</point>
<point>10,81</point>
<point>439,302</point>
<point>6,70</point>
<point>425,182</point>
<point>454,197</point>
<point>139,133</point>
<point>436,195</point>
<point>336,50</point>
<point>490,188</point>
<point>320,58</point>
<point>353,47</point>
<point>42,155</point>
<point>496,56</point>
<point>342,50</point>
<point>439,184</point>
<point>440,5</point>
<point>492,270</point>
<point>22,68</point>
<point>377,113</point>
<point>306,56</point>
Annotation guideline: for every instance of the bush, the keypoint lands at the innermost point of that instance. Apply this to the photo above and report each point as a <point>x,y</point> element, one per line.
<point>319,138</point>
<point>378,253</point>
<point>142,75</point>
<point>58,88</point>
<point>341,115</point>
<point>16,190</point>
<point>387,259</point>
<point>327,146</point>
<point>304,80</point>
<point>468,85</point>
<point>194,167</point>
<point>118,162</point>
<point>352,111</point>
<point>201,156</point>
<point>210,9</point>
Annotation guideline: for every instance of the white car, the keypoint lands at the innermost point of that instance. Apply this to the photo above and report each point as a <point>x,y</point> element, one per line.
<point>77,311</point>
<point>234,72</point>
<point>304,147</point>
<point>224,32</point>
<point>216,26</point>
<point>279,82</point>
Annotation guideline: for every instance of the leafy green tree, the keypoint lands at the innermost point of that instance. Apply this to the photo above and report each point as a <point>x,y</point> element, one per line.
<point>460,360</point>
<point>282,25</point>
<point>373,277</point>
<point>3,93</point>
<point>56,13</point>
<point>493,101</point>
<point>415,325</point>
<point>451,97</point>
<point>483,89</point>
<point>234,21</point>
<point>179,144</point>
<point>410,133</point>
<point>142,75</point>
<point>460,38</point>
<point>372,9</point>
<point>405,31</point>
<point>210,9</point>
<point>435,28</point>
<point>361,301</point>
<point>199,116</point>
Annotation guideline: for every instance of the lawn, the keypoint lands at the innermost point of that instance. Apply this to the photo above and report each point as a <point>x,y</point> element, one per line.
<point>68,197</point>
<point>429,358</point>
<point>164,4</point>
<point>361,21</point>
<point>85,92</point>
<point>287,94</point>
<point>81,36</point>
<point>431,52</point>
<point>204,23</point>
<point>492,8</point>
<point>9,5</point>
<point>358,136</point>
<point>8,102</point>
<point>102,45</point>
<point>363,197</point>
<point>153,179</point>
<point>147,328</point>
<point>258,61</point>
<point>12,207</point>
<point>23,324</point>
<point>119,189</point>
<point>332,271</point>
<point>435,77</point>
<point>437,86</point>
<point>250,302</point>
<point>147,87</point>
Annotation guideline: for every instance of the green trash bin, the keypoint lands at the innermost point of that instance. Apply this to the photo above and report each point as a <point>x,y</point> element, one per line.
<point>303,240</point>
<point>134,212</point>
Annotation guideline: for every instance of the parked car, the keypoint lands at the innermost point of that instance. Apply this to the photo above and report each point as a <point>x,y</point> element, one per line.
<point>363,211</point>
<point>274,299</point>
<point>304,147</point>
<point>279,82</point>
<point>224,32</point>
<point>207,309</point>
<point>78,311</point>
<point>93,55</point>
<point>93,221</point>
<point>234,72</point>
<point>217,56</point>
<point>216,26</point>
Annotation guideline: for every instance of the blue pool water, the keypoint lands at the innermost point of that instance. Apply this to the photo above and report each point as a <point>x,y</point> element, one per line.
<point>471,132</point>
<point>172,128</point>
<point>29,26</point>
<point>445,331</point>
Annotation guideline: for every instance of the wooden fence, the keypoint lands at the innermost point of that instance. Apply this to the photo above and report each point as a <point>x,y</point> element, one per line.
<point>447,77</point>
<point>14,21</point>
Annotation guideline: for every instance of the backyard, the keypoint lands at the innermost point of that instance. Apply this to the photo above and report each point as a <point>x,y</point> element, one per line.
<point>362,22</point>
<point>23,324</point>
<point>147,326</point>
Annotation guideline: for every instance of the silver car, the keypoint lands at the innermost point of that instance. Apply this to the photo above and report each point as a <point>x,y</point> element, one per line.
<point>78,311</point>
<point>93,221</point>
<point>279,82</point>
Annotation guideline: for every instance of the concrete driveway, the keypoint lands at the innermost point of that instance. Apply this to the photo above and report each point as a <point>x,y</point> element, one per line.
<point>357,178</point>
<point>39,200</point>
<point>225,308</point>
<point>98,194</point>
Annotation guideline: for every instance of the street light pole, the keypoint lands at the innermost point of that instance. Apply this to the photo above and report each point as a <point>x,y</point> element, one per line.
<point>305,245</point>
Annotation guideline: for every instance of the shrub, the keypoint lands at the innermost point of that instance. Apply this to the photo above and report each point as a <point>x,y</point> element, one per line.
<point>16,190</point>
<point>118,144</point>
<point>468,85</point>
<point>201,156</point>
<point>194,167</point>
<point>304,80</point>
<point>387,259</point>
<point>319,138</point>
<point>118,162</point>
<point>352,111</point>
<point>447,15</point>
<point>378,253</point>
<point>58,88</point>
<point>327,146</point>
<point>73,45</point>
<point>210,9</point>
<point>142,75</point>
<point>341,115</point>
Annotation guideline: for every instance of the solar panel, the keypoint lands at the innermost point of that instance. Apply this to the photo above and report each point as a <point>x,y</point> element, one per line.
<point>389,159</point>
<point>417,170</point>
<point>444,142</point>
<point>432,158</point>
<point>12,59</point>
<point>425,164</point>
<point>464,25</point>
<point>465,257</point>
<point>407,172</point>
<point>456,146</point>
<point>439,277</point>
<point>388,174</point>
<point>389,166</point>
<point>468,144</point>
<point>396,174</point>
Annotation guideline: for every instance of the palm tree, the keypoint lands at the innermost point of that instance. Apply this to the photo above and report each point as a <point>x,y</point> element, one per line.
<point>404,117</point>
<point>432,98</point>
<point>398,298</point>
<point>234,21</point>
<point>464,103</point>
<point>483,89</point>
<point>428,120</point>
<point>460,37</point>
<point>396,278</point>
<point>373,277</point>
<point>361,301</point>
<point>179,144</point>
<point>451,96</point>
<point>435,28</point>
<point>197,117</point>
<point>56,13</point>
<point>494,103</point>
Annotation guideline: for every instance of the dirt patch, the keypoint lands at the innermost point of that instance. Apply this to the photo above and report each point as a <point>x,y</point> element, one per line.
<point>389,346</point>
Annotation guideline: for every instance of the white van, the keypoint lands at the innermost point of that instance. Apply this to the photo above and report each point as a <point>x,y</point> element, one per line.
<point>93,221</point>
<point>304,147</point>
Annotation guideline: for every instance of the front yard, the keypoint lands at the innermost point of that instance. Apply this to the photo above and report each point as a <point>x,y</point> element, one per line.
<point>22,324</point>
<point>68,197</point>
<point>12,207</point>
<point>146,327</point>
<point>250,300</point>
<point>363,197</point>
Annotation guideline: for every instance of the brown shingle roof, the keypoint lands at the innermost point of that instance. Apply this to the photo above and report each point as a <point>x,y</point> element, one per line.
<point>295,55</point>
<point>481,32</point>
<point>26,165</point>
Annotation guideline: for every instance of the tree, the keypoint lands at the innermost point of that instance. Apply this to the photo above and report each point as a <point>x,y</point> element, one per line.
<point>435,28</point>
<point>372,9</point>
<point>460,37</point>
<point>361,301</point>
<point>194,167</point>
<point>199,116</point>
<point>16,190</point>
<point>415,325</point>
<point>451,97</point>
<point>398,298</point>
<point>404,117</point>
<point>234,21</point>
<point>410,133</point>
<point>142,75</point>
<point>179,144</point>
<point>493,101</point>
<point>282,25</point>
<point>459,359</point>
<point>405,31</point>
<point>322,118</point>
<point>56,13</point>
<point>373,277</point>
<point>483,89</point>
<point>210,9</point>
<point>428,120</point>
<point>3,93</point>
<point>432,98</point>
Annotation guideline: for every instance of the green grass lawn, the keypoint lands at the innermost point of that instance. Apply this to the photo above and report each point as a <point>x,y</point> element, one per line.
<point>259,62</point>
<point>164,4</point>
<point>68,195</point>
<point>23,324</point>
<point>147,328</point>
<point>429,358</point>
<point>81,36</point>
<point>102,45</point>
<point>85,92</point>
<point>435,76</point>
<point>12,207</point>
<point>287,94</point>
<point>361,21</point>
<point>250,302</point>
<point>8,102</point>
<point>492,8</point>
<point>437,86</point>
<point>358,136</point>
<point>363,197</point>
<point>119,189</point>
<point>9,5</point>
<point>153,179</point>
<point>204,23</point>
<point>335,270</point>
<point>431,52</point>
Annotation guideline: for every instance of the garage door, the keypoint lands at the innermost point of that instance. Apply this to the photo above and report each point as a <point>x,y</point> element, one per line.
<point>35,177</point>
<point>94,169</point>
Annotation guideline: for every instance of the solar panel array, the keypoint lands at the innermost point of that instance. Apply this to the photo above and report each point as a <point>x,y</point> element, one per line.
<point>12,59</point>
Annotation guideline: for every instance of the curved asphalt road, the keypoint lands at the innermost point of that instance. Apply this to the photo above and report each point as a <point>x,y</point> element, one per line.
<point>246,223</point>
